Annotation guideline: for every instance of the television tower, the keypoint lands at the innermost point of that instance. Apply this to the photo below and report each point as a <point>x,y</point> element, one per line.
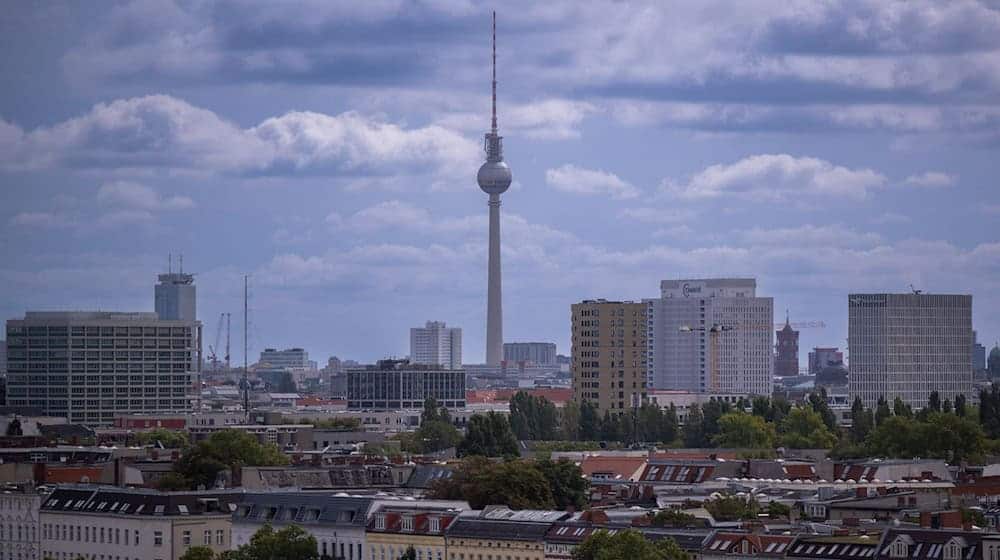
<point>494,178</point>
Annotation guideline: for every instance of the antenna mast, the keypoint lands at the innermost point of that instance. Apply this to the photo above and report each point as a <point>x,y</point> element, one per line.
<point>246,349</point>
<point>494,71</point>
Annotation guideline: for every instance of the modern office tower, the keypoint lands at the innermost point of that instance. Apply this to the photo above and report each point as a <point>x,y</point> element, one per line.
<point>978,355</point>
<point>175,297</point>
<point>92,366</point>
<point>437,345</point>
<point>399,385</point>
<point>786,351</point>
<point>291,358</point>
<point>539,353</point>
<point>907,345</point>
<point>609,361</point>
<point>3,357</point>
<point>711,335</point>
<point>821,358</point>
<point>494,179</point>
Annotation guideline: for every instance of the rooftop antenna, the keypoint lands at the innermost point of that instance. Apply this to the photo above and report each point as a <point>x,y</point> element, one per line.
<point>170,263</point>
<point>182,263</point>
<point>915,291</point>
<point>494,122</point>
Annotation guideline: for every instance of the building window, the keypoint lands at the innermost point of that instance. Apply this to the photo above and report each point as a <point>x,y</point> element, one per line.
<point>207,538</point>
<point>380,521</point>
<point>220,536</point>
<point>407,523</point>
<point>157,538</point>
<point>186,538</point>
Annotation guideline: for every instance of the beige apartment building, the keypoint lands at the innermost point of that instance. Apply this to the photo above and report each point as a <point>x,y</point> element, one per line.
<point>609,354</point>
<point>108,523</point>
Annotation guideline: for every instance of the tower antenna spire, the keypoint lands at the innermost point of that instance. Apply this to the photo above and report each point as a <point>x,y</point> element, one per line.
<point>494,71</point>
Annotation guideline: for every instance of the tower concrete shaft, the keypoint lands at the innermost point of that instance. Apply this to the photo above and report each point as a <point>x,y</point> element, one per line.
<point>494,303</point>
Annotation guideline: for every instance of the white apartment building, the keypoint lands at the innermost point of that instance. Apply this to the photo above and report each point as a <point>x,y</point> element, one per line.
<point>108,523</point>
<point>436,344</point>
<point>90,366</point>
<point>19,530</point>
<point>908,345</point>
<point>711,335</point>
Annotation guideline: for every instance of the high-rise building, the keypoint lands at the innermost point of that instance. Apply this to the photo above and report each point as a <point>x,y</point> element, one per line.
<point>175,297</point>
<point>291,358</point>
<point>539,353</point>
<point>786,351</point>
<point>821,358</point>
<point>609,354</point>
<point>3,357</point>
<point>436,344</point>
<point>908,345</point>
<point>978,354</point>
<point>92,366</point>
<point>711,335</point>
<point>494,179</point>
<point>400,385</point>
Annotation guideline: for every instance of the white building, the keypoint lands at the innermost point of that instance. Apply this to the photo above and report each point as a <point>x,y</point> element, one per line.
<point>436,344</point>
<point>908,345</point>
<point>711,335</point>
<point>19,530</point>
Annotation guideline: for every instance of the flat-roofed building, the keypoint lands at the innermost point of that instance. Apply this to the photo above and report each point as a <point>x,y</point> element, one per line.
<point>398,385</point>
<point>91,366</point>
<point>609,354</point>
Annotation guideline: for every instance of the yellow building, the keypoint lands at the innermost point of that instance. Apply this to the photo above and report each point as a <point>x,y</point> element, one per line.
<point>609,354</point>
<point>392,529</point>
<point>501,535</point>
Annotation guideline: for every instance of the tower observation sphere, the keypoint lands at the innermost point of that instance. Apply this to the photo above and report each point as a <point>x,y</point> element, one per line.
<point>494,177</point>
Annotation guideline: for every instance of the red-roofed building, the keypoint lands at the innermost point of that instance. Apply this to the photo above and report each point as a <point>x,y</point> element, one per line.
<point>620,469</point>
<point>745,545</point>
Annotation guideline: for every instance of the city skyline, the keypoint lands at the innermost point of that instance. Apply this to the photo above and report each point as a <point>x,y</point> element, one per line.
<point>336,166</point>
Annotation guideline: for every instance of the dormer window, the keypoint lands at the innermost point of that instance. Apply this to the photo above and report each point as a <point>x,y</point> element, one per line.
<point>899,549</point>
<point>435,525</point>
<point>380,522</point>
<point>408,523</point>
<point>952,551</point>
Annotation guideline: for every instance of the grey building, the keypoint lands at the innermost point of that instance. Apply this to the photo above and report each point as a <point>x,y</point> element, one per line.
<point>978,355</point>
<point>822,358</point>
<point>3,357</point>
<point>435,344</point>
<point>908,345</point>
<point>175,297</point>
<point>291,358</point>
<point>398,384</point>
<point>685,352</point>
<point>91,366</point>
<point>540,353</point>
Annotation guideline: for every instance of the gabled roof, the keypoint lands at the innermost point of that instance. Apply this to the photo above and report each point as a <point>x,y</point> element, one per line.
<point>929,544</point>
<point>621,468</point>
<point>757,545</point>
<point>678,472</point>
<point>139,502</point>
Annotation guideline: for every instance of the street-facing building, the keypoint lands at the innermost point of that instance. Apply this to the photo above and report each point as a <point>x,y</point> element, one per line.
<point>398,385</point>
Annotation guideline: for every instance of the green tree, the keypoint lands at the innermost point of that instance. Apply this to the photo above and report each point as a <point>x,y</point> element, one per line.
<point>941,435</point>
<point>410,554</point>
<point>934,402</point>
<point>14,428</point>
<point>627,545</point>
<point>532,418</point>
<point>711,412</point>
<point>738,429</point>
<point>225,449</point>
<point>488,435</point>
<point>778,510</point>
<point>437,435</point>
<point>590,422</point>
<point>611,427</point>
<point>901,409</point>
<point>290,543</point>
<point>517,484</point>
<point>569,487</point>
<point>946,407</point>
<point>569,421</point>
<point>803,428</point>
<point>170,439</point>
<point>173,481</point>
<point>861,421</point>
<point>819,404</point>
<point>674,518</point>
<point>960,405</point>
<point>198,553</point>
<point>733,508</point>
<point>882,411</point>
<point>694,428</point>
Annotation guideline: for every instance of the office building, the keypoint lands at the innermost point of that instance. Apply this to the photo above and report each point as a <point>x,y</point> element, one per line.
<point>711,335</point>
<point>539,353</point>
<point>3,357</point>
<point>175,297</point>
<point>978,354</point>
<point>291,358</point>
<point>608,354</point>
<point>127,523</point>
<point>908,345</point>
<point>786,351</point>
<point>435,344</point>
<point>91,366</point>
<point>398,384</point>
<point>822,358</point>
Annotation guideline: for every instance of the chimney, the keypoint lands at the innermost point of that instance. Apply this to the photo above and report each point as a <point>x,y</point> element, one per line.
<point>861,492</point>
<point>925,520</point>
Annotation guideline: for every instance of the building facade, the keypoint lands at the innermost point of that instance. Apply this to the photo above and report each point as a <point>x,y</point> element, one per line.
<point>609,357</point>
<point>711,335</point>
<point>821,358</point>
<point>435,344</point>
<point>397,385</point>
<point>540,353</point>
<point>174,297</point>
<point>20,534</point>
<point>291,358</point>
<point>91,366</point>
<point>978,354</point>
<point>786,351</point>
<point>394,526</point>
<point>133,524</point>
<point>908,345</point>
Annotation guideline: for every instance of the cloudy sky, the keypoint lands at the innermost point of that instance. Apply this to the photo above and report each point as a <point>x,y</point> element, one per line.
<point>329,149</point>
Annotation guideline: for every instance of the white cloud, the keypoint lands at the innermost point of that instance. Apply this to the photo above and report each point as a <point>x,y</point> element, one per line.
<point>892,218</point>
<point>931,180</point>
<point>41,220</point>
<point>771,177</point>
<point>651,215</point>
<point>578,180</point>
<point>134,195</point>
<point>160,131</point>
<point>548,119</point>
<point>124,218</point>
<point>810,236</point>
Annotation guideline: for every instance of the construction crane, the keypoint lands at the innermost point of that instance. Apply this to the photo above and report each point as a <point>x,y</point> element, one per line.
<point>213,349</point>
<point>713,340</point>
